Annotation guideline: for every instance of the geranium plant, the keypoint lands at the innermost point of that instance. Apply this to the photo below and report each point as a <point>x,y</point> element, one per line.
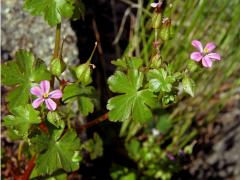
<point>42,102</point>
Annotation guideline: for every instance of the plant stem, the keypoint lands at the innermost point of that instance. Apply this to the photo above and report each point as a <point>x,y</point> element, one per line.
<point>57,41</point>
<point>94,122</point>
<point>28,170</point>
<point>20,150</point>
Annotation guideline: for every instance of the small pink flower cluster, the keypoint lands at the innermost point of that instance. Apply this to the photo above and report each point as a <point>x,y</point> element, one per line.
<point>43,94</point>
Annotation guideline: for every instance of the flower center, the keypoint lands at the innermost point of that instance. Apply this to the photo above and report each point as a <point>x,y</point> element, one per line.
<point>205,50</point>
<point>45,96</point>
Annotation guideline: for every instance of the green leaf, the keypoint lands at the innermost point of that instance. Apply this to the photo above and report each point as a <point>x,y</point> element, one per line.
<point>21,73</point>
<point>22,119</point>
<point>74,90</point>
<point>62,176</point>
<point>188,85</point>
<point>79,10</point>
<point>85,105</point>
<point>52,10</point>
<point>164,123</point>
<point>128,62</point>
<point>82,94</point>
<point>39,142</point>
<point>160,80</point>
<point>94,146</point>
<point>59,154</point>
<point>55,119</point>
<point>133,102</point>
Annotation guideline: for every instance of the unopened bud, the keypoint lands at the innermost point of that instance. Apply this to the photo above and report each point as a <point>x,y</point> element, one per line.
<point>156,61</point>
<point>166,32</point>
<point>156,20</point>
<point>83,73</point>
<point>57,66</point>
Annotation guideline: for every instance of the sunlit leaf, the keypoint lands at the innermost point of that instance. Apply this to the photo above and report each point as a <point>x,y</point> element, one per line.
<point>132,102</point>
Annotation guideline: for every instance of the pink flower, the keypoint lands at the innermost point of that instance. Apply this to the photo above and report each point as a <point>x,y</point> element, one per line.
<point>205,54</point>
<point>43,94</point>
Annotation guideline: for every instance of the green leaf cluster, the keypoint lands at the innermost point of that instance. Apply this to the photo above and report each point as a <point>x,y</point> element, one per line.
<point>22,73</point>
<point>160,80</point>
<point>94,146</point>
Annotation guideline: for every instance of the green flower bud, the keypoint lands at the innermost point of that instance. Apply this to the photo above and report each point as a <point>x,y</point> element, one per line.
<point>57,66</point>
<point>156,61</point>
<point>156,20</point>
<point>167,30</point>
<point>83,73</point>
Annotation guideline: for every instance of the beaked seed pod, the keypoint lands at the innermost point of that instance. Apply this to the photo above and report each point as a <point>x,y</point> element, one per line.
<point>156,20</point>
<point>83,73</point>
<point>57,66</point>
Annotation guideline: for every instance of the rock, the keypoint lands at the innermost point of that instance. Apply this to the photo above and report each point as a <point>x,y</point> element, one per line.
<point>20,30</point>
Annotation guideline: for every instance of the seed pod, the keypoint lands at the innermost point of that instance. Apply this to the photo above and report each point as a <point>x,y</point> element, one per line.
<point>83,73</point>
<point>156,20</point>
<point>57,66</point>
<point>156,61</point>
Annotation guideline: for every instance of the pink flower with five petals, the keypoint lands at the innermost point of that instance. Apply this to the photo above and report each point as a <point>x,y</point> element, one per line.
<point>43,94</point>
<point>205,54</point>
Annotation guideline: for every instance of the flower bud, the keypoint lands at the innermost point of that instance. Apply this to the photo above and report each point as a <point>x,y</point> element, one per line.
<point>83,73</point>
<point>57,66</point>
<point>156,61</point>
<point>167,31</point>
<point>156,20</point>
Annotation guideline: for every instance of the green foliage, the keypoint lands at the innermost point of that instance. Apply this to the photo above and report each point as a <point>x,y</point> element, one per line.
<point>133,103</point>
<point>164,124</point>
<point>127,62</point>
<point>188,86</point>
<point>83,96</point>
<point>160,81</point>
<point>54,10</point>
<point>59,176</point>
<point>58,153</point>
<point>94,146</point>
<point>55,119</point>
<point>21,73</point>
<point>22,119</point>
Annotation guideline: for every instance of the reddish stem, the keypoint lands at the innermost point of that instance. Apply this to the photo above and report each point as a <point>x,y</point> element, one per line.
<point>28,170</point>
<point>94,122</point>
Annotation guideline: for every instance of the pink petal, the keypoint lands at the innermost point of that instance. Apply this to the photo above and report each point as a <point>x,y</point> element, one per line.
<point>51,105</point>
<point>56,94</point>
<point>196,56</point>
<point>209,47</point>
<point>36,103</point>
<point>36,90</point>
<point>45,86</point>
<point>214,56</point>
<point>197,44</point>
<point>206,62</point>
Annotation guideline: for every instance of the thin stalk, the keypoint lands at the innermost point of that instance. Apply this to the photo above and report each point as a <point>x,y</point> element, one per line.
<point>57,41</point>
